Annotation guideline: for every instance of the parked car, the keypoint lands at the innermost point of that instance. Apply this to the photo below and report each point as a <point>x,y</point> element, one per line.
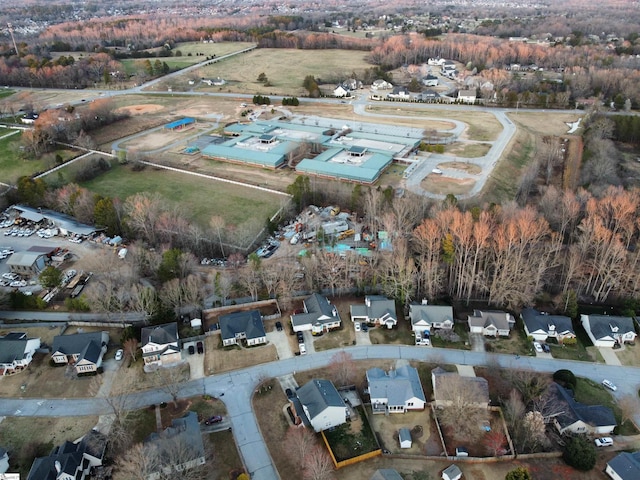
<point>191,349</point>
<point>279,326</point>
<point>538,347</point>
<point>119,354</point>
<point>300,337</point>
<point>213,419</point>
<point>357,326</point>
<point>200,347</point>
<point>303,349</point>
<point>546,348</point>
<point>604,442</point>
<point>365,327</point>
<point>610,385</point>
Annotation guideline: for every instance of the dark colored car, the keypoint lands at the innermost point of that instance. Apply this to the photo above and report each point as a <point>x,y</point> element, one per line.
<point>545,348</point>
<point>289,393</point>
<point>279,326</point>
<point>365,327</point>
<point>212,420</point>
<point>300,337</point>
<point>200,347</point>
<point>191,350</point>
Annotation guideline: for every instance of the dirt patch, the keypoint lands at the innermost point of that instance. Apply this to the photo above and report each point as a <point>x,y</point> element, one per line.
<point>424,433</point>
<point>464,166</point>
<point>469,150</point>
<point>444,185</point>
<point>140,109</point>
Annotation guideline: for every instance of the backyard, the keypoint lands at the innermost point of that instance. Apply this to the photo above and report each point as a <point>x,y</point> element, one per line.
<point>424,433</point>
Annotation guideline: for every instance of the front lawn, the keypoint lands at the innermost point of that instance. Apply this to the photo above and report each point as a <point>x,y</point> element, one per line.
<point>583,350</point>
<point>461,330</point>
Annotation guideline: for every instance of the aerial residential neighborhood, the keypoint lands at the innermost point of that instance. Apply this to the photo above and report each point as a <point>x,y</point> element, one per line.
<point>355,241</point>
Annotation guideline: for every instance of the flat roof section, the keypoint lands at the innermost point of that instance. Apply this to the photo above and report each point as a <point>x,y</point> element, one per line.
<point>180,123</point>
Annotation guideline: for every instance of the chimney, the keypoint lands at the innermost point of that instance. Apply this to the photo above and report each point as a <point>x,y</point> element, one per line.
<point>58,467</point>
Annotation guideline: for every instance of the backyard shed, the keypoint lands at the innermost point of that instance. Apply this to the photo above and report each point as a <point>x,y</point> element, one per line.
<point>405,438</point>
<point>452,472</point>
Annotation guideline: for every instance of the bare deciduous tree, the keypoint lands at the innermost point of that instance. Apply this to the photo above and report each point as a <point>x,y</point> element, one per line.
<point>318,465</point>
<point>130,348</point>
<point>460,405</point>
<point>171,379</point>
<point>342,368</point>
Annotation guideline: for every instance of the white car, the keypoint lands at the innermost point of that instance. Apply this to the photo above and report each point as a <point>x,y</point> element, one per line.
<point>603,442</point>
<point>436,171</point>
<point>303,349</point>
<point>537,347</point>
<point>357,326</point>
<point>10,276</point>
<point>18,284</point>
<point>119,354</point>
<point>610,385</point>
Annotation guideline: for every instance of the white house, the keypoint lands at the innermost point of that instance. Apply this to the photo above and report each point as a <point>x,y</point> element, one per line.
<point>542,326</point>
<point>430,81</point>
<point>341,92</point>
<point>452,472</point>
<point>381,85</point>
<point>401,93</point>
<point>322,405</point>
<point>491,323</point>
<point>404,437</point>
<point>16,352</point>
<point>624,466</point>
<point>376,309</point>
<point>467,96</point>
<point>160,345</point>
<point>396,391</point>
<point>578,418</point>
<point>425,318</point>
<point>238,326</point>
<point>83,350</point>
<point>606,331</point>
<point>319,316</point>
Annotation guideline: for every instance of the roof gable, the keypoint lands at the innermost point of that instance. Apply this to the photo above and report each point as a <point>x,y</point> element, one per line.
<point>76,343</point>
<point>317,395</point>
<point>248,322</point>
<point>160,334</point>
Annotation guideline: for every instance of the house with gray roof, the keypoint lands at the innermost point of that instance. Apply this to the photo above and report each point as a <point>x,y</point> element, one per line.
<point>376,309</point>
<point>452,472</point>
<point>27,263</point>
<point>386,474</point>
<point>624,466</point>
<point>319,316</point>
<point>606,331</point>
<point>71,461</point>
<point>449,385</point>
<point>542,326</point>
<point>238,326</point>
<point>425,318</point>
<point>160,345</point>
<point>83,350</point>
<point>575,417</point>
<point>491,323</point>
<point>395,391</point>
<point>16,352</point>
<point>177,448</point>
<point>322,404</point>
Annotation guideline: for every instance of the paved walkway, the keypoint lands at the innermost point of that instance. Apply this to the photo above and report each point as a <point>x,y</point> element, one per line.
<point>609,355</point>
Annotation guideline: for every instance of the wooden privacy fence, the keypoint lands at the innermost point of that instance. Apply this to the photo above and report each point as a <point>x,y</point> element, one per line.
<point>352,460</point>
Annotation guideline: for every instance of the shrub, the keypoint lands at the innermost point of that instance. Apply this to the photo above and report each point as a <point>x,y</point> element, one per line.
<point>520,473</point>
<point>580,453</point>
<point>570,341</point>
<point>565,377</point>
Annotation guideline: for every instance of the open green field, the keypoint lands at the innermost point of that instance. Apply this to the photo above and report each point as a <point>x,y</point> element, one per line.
<point>204,198</point>
<point>12,166</point>
<point>6,93</point>
<point>285,69</point>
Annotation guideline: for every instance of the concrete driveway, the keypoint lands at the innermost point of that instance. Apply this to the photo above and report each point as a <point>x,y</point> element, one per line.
<point>362,338</point>
<point>195,361</point>
<point>477,342</point>
<point>609,355</point>
<point>281,342</point>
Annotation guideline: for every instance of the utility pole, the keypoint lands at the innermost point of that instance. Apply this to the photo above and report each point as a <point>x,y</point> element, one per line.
<point>13,38</point>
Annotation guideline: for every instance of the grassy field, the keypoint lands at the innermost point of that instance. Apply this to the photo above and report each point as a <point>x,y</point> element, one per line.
<point>204,197</point>
<point>468,150</point>
<point>11,165</point>
<point>285,69</point>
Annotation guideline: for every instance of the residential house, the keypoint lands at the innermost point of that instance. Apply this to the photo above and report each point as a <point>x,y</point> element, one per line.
<point>376,309</point>
<point>542,326</point>
<point>381,85</point>
<point>575,417</point>
<point>28,264</point>
<point>404,437</point>
<point>452,472</point>
<point>319,316</point>
<point>177,448</point>
<point>396,391</point>
<point>160,345</point>
<point>352,84</point>
<point>386,474</point>
<point>71,461</point>
<point>238,326</point>
<point>29,118</point>
<point>491,323</point>
<point>624,466</point>
<point>606,331</point>
<point>322,405</point>
<point>446,385</point>
<point>467,96</point>
<point>4,460</point>
<point>401,93</point>
<point>430,81</point>
<point>340,91</point>
<point>216,82</point>
<point>425,318</point>
<point>428,96</point>
<point>83,350</point>
<point>16,352</point>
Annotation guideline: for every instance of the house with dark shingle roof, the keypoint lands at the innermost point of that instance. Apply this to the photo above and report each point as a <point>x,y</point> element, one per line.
<point>624,466</point>
<point>160,345</point>
<point>71,461</point>
<point>238,326</point>
<point>542,326</point>
<point>83,350</point>
<point>606,331</point>
<point>376,309</point>
<point>319,316</point>
<point>576,417</point>
<point>177,448</point>
<point>16,352</point>
<point>322,405</point>
<point>395,391</point>
<point>491,323</point>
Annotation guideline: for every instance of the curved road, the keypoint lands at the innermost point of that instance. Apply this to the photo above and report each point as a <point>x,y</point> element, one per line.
<point>236,388</point>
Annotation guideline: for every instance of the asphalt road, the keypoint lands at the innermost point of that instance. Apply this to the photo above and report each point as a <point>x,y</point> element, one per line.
<point>236,388</point>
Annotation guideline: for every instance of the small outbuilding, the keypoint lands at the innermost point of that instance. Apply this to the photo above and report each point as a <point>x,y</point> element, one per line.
<point>405,438</point>
<point>452,472</point>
